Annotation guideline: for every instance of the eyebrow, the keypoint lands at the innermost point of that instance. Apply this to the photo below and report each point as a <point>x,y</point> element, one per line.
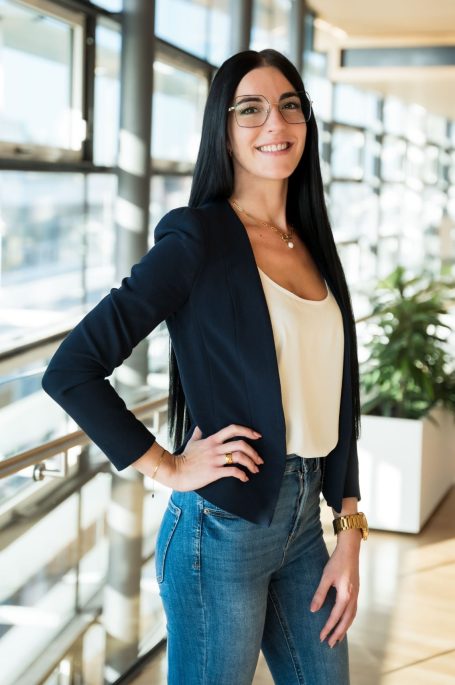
<point>255,98</point>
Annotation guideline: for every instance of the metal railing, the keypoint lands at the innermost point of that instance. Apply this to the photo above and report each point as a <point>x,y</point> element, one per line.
<point>36,456</point>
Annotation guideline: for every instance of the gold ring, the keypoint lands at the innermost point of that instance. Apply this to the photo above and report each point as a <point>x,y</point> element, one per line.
<point>229,459</point>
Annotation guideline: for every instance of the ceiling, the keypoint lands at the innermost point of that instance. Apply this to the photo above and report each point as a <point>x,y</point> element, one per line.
<point>388,17</point>
<point>390,22</point>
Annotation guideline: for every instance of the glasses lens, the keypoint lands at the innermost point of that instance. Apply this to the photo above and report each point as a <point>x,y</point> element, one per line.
<point>296,108</point>
<point>251,110</point>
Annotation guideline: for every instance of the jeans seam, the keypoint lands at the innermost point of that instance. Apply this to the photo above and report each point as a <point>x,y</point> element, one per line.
<point>275,604</point>
<point>197,567</point>
<point>197,537</point>
<point>304,484</point>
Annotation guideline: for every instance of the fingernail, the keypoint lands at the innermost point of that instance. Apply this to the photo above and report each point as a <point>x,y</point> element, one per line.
<point>258,434</point>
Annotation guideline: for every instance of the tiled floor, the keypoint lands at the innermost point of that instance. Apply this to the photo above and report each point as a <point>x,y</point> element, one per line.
<point>404,631</point>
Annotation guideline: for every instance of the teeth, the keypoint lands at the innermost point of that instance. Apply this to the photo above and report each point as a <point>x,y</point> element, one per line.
<point>274,148</point>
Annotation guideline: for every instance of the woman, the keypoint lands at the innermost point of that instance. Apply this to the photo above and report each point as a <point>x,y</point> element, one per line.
<point>263,358</point>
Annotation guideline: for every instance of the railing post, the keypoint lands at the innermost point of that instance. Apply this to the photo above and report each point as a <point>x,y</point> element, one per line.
<point>121,605</point>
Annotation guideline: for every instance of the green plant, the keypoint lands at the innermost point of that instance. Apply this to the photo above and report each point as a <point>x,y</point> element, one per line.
<point>409,368</point>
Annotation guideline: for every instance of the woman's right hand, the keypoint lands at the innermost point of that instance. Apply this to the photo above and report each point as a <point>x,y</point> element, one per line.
<point>203,459</point>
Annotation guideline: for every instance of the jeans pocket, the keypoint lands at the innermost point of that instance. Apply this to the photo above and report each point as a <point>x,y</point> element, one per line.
<point>166,530</point>
<point>212,509</point>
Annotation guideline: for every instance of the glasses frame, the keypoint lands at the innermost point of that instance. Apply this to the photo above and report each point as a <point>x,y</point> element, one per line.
<point>269,108</point>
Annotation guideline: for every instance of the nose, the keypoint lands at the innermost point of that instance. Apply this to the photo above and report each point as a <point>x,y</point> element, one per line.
<point>275,120</point>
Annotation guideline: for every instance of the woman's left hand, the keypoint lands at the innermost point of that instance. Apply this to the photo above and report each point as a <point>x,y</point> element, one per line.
<point>341,571</point>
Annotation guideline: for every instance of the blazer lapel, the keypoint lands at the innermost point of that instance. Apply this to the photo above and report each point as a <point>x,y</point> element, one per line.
<point>254,331</point>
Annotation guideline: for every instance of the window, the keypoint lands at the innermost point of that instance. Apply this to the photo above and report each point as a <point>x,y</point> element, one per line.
<point>347,149</point>
<point>56,258</point>
<point>202,27</point>
<point>178,104</point>
<point>271,25</point>
<point>41,88</point>
<point>354,106</point>
<point>107,92</point>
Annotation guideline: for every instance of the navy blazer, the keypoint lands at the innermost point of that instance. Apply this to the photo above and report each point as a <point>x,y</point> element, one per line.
<point>200,277</point>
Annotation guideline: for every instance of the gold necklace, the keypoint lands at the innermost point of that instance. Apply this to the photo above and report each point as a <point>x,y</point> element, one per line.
<point>287,237</point>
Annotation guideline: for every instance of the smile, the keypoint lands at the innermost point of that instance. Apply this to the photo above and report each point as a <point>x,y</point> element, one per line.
<point>280,147</point>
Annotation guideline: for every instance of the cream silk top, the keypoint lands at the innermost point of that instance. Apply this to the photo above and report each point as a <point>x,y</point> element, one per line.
<point>309,343</point>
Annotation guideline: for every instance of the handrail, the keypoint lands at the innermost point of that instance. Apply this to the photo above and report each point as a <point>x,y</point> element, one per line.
<point>31,343</point>
<point>49,449</point>
<point>39,371</point>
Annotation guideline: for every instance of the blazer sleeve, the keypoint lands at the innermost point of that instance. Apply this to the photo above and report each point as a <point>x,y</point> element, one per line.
<point>351,484</point>
<point>76,377</point>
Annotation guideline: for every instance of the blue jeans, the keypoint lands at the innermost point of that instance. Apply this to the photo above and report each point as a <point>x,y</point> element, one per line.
<point>230,588</point>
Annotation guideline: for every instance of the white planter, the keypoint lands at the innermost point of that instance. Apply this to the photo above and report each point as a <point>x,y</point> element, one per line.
<point>406,466</point>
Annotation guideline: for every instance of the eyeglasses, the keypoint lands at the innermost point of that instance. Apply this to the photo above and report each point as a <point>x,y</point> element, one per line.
<point>253,110</point>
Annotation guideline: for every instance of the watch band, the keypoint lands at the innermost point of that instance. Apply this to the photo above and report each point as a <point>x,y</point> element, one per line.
<point>349,521</point>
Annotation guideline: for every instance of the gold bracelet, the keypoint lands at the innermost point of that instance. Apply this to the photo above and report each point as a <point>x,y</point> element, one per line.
<point>155,470</point>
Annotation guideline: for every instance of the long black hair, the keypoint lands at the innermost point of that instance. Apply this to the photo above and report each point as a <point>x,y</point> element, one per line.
<point>305,205</point>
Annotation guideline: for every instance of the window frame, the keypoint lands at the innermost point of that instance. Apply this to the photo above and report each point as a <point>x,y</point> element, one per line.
<point>52,153</point>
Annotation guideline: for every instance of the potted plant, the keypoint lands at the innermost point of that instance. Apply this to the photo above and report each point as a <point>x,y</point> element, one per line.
<point>407,386</point>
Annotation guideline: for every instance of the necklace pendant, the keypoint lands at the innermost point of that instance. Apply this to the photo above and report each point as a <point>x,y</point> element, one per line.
<point>290,244</point>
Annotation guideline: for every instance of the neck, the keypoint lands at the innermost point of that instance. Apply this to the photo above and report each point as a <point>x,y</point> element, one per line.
<point>265,199</point>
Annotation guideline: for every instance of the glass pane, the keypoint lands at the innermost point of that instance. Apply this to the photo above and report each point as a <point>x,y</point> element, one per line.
<point>219,30</point>
<point>437,130</point>
<point>100,236</point>
<point>431,164</point>
<point>390,209</point>
<point>178,104</point>
<point>320,90</point>
<point>354,106</point>
<point>36,52</point>
<point>452,133</point>
<point>28,416</point>
<point>54,563</point>
<point>395,114</point>
<point>271,25</point>
<point>393,159</point>
<point>371,152</point>
<point>452,167</point>
<point>353,211</point>
<point>387,258</point>
<point>95,497</point>
<point>416,124</point>
<point>347,148</point>
<point>38,590</point>
<point>350,258</point>
<point>107,94</point>
<point>167,192</point>
<point>111,5</point>
<point>210,22</point>
<point>402,215</point>
<point>415,160</point>
<point>53,251</point>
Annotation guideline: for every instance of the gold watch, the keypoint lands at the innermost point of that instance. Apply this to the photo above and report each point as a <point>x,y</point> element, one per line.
<point>348,521</point>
